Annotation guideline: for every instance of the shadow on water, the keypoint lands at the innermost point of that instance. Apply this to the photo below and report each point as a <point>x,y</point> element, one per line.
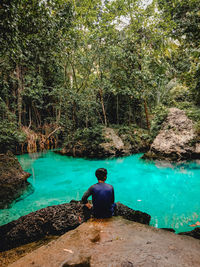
<point>26,193</point>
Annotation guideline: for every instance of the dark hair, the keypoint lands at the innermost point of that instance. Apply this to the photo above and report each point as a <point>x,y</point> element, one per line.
<point>101,174</point>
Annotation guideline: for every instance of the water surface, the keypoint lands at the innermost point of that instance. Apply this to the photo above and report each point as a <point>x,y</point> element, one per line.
<point>169,193</point>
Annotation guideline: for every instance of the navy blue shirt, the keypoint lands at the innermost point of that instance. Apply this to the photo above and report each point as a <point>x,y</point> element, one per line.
<point>102,199</point>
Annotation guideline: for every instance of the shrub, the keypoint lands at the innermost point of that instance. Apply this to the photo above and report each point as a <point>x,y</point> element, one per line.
<point>89,137</point>
<point>133,135</point>
<point>180,93</point>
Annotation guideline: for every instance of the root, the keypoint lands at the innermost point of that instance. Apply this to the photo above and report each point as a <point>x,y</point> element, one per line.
<point>39,141</point>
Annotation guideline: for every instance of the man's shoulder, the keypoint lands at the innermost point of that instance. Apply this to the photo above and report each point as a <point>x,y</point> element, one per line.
<point>101,186</point>
<point>92,186</point>
<point>109,185</point>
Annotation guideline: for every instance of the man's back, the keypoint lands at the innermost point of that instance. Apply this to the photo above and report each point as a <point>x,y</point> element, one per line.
<point>102,199</point>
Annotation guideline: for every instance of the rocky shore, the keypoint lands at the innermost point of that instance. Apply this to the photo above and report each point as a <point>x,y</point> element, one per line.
<point>13,180</point>
<point>115,242</point>
<point>55,220</point>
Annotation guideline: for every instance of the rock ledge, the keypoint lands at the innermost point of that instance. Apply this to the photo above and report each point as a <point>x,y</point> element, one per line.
<point>115,242</point>
<point>55,220</point>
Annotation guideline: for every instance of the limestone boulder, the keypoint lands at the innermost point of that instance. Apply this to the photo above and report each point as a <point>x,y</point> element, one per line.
<point>13,180</point>
<point>176,140</point>
<point>114,145</point>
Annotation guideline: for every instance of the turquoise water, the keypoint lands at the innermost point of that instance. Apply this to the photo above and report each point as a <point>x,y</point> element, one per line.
<point>169,193</point>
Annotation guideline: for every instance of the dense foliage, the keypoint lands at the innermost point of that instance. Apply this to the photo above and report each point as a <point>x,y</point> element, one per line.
<point>81,64</point>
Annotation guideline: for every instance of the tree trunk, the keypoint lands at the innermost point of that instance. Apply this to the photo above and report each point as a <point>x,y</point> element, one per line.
<point>100,116</point>
<point>71,79</point>
<point>86,121</point>
<point>100,74</point>
<point>117,109</point>
<point>19,94</point>
<point>129,114</point>
<point>37,115</point>
<point>147,114</point>
<point>59,114</point>
<point>103,107</point>
<point>65,74</point>
<point>74,118</point>
<point>30,120</point>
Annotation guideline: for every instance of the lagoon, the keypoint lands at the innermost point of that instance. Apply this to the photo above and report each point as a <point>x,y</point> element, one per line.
<point>168,192</point>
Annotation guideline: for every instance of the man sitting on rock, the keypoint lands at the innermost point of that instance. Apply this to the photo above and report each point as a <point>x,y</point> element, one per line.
<point>102,196</point>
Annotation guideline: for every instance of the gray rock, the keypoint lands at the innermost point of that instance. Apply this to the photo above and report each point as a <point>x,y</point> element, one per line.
<point>13,180</point>
<point>114,145</point>
<point>176,139</point>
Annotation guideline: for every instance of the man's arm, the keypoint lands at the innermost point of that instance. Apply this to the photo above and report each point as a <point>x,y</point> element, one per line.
<point>113,195</point>
<point>86,195</point>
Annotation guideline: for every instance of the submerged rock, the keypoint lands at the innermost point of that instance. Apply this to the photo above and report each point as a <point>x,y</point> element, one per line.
<point>55,220</point>
<point>176,140</point>
<point>13,180</point>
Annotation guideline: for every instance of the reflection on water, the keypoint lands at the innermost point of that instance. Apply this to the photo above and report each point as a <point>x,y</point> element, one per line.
<point>168,192</point>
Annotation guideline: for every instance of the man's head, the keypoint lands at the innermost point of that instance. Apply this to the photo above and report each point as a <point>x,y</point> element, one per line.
<point>101,174</point>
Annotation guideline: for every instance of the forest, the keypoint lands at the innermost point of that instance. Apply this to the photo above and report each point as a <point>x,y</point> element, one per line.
<point>70,67</point>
